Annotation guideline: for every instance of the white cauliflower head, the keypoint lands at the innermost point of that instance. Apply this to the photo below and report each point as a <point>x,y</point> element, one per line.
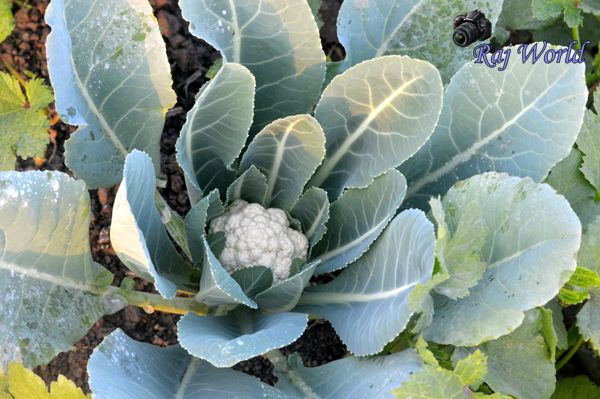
<point>255,236</point>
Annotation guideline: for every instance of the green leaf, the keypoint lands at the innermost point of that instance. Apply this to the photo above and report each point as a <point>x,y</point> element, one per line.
<point>367,303</point>
<point>547,97</point>
<point>588,319</point>
<point>277,41</point>
<point>109,69</point>
<point>375,116</point>
<point>518,15</point>
<point>174,223</point>
<point>253,280</point>
<point>251,187</point>
<point>548,331</point>
<point>138,235</point>
<point>567,179</point>
<point>529,250</point>
<point>560,331</point>
<point>356,219</point>
<point>287,151</point>
<point>142,371</point>
<point>372,28</point>
<point>217,128</point>
<point>51,291</point>
<point>458,249</point>
<point>23,120</point>
<point>217,287</point>
<point>589,253</point>
<point>547,9</point>
<point>241,335</point>
<point>519,363</point>
<point>312,210</point>
<point>579,387</point>
<point>7,22</point>
<point>20,383</point>
<point>284,296</point>
<point>434,382</point>
<point>424,353</point>
<point>590,6</point>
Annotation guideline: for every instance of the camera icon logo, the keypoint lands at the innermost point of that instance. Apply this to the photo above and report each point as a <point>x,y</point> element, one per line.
<point>471,27</point>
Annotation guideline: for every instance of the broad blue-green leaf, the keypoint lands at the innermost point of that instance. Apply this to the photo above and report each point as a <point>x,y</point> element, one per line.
<point>588,319</point>
<point>375,116</point>
<point>111,77</point>
<point>458,249</point>
<point>173,222</point>
<point>569,10</point>
<point>284,296</point>
<point>196,220</point>
<point>356,220</point>
<point>253,280</point>
<point>287,152</point>
<point>588,143</point>
<point>242,334</point>
<point>217,287</point>
<point>251,187</point>
<point>277,41</point>
<point>51,291</point>
<point>558,324</point>
<point>368,302</point>
<point>531,242</point>
<point>567,179</point>
<point>519,363</point>
<point>418,28</point>
<point>351,377</point>
<point>312,210</point>
<point>590,6</point>
<point>121,368</point>
<point>217,128</point>
<point>521,121</point>
<point>138,235</point>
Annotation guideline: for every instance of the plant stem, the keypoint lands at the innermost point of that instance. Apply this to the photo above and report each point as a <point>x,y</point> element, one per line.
<point>567,356</point>
<point>152,302</point>
<point>576,37</point>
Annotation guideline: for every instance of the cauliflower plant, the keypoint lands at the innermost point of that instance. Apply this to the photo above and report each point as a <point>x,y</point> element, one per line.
<point>255,236</point>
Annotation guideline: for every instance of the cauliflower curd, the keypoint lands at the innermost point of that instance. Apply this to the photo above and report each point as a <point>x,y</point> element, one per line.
<point>255,236</point>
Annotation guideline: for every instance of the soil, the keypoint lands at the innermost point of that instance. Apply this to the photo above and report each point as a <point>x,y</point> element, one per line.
<point>190,58</point>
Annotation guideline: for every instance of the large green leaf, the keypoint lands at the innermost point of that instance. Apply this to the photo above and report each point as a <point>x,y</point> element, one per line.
<point>356,220</point>
<point>217,128</point>
<point>375,116</point>
<point>579,387</point>
<point>493,121</point>
<point>111,77</point>
<point>588,319</point>
<point>567,179</point>
<point>368,302</point>
<point>287,152</point>
<point>242,334</point>
<point>121,368</point>
<point>520,363</point>
<point>418,28</point>
<point>138,235</point>
<point>312,211</point>
<point>195,223</point>
<point>588,143</point>
<point>277,41</point>
<point>531,242</point>
<point>51,291</point>
<point>589,253</point>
